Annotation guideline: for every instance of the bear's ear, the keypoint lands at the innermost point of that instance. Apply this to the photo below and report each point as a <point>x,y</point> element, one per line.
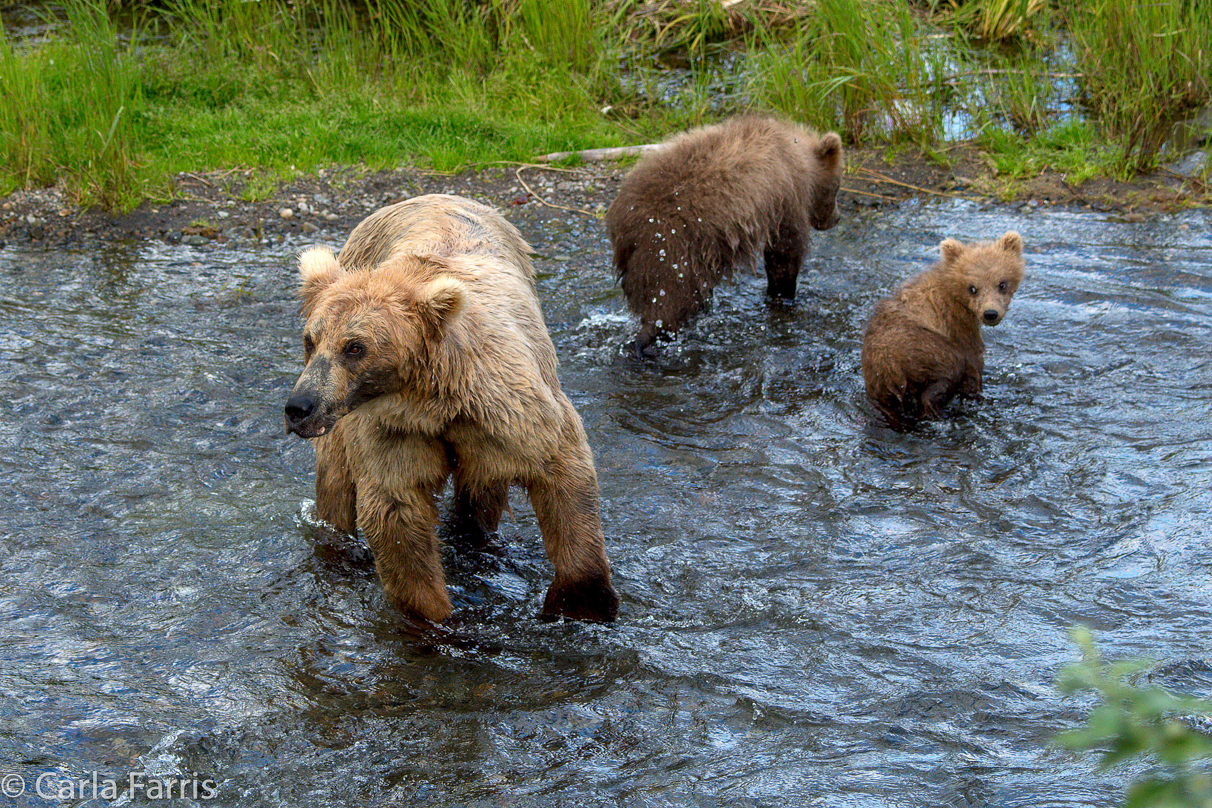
<point>829,149</point>
<point>441,300</point>
<point>951,250</point>
<point>1012,242</point>
<point>318,268</point>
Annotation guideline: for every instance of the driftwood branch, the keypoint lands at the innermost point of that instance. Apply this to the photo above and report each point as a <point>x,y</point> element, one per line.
<point>518,173</point>
<point>597,155</point>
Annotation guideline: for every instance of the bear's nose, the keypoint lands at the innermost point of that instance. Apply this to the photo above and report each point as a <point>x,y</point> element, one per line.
<point>991,315</point>
<point>298,408</point>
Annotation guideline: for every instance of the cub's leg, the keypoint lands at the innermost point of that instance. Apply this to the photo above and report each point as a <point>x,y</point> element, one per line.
<point>936,397</point>
<point>784,256</point>
<point>565,501</point>
<point>336,494</point>
<point>970,386</point>
<point>947,375</point>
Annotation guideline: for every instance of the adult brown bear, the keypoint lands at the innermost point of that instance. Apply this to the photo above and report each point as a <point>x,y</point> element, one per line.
<point>923,345</point>
<point>713,199</point>
<point>427,358</point>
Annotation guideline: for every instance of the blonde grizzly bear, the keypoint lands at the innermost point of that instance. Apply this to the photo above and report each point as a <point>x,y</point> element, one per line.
<point>427,358</point>
<point>923,345</point>
<point>712,199</point>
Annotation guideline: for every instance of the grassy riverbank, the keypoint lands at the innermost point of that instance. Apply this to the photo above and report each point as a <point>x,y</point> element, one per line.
<point>113,101</point>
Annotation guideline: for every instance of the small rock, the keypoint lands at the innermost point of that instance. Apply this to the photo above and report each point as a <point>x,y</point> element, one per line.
<point>1192,164</point>
<point>286,213</point>
<point>308,227</point>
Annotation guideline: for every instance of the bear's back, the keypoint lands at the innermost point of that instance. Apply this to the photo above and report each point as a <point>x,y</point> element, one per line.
<point>732,181</point>
<point>437,226</point>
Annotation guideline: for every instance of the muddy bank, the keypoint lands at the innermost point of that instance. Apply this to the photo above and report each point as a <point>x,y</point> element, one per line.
<point>213,207</point>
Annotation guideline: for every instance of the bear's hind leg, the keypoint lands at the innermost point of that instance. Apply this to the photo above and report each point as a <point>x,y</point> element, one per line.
<point>937,395</point>
<point>477,512</point>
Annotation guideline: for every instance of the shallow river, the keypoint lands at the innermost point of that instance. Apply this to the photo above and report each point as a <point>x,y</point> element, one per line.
<point>817,610</point>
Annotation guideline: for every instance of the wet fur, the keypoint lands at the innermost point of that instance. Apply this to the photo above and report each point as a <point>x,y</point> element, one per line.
<point>923,345</point>
<point>427,359</point>
<point>711,200</point>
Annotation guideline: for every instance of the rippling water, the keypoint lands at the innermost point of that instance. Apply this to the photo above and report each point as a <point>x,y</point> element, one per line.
<point>817,611</point>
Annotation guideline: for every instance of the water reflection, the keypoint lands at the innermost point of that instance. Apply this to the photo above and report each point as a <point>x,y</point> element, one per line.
<point>817,610</point>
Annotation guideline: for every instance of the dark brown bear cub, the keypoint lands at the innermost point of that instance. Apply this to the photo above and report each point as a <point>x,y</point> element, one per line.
<point>712,199</point>
<point>923,345</point>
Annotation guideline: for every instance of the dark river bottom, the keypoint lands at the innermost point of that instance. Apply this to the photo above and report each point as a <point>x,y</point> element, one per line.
<point>817,610</point>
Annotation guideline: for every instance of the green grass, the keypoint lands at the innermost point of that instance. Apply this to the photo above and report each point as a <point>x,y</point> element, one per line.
<point>865,68</point>
<point>66,110</point>
<point>114,112</point>
<point>1073,148</point>
<point>1158,72</point>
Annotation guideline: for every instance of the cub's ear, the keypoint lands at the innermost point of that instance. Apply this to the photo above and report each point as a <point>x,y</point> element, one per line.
<point>829,149</point>
<point>951,250</point>
<point>318,268</point>
<point>441,300</point>
<point>1012,242</point>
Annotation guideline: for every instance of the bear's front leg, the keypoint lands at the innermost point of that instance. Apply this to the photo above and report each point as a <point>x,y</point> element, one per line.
<point>970,385</point>
<point>335,492</point>
<point>783,257</point>
<point>566,504</point>
<point>399,527</point>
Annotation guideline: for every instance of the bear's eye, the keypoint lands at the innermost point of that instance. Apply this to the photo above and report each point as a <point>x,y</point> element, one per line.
<point>308,345</point>
<point>971,290</point>
<point>1001,287</point>
<point>355,350</point>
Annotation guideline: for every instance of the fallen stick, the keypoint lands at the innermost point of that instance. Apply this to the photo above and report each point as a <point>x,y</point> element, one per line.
<point>597,155</point>
<point>518,173</point>
<point>875,176</point>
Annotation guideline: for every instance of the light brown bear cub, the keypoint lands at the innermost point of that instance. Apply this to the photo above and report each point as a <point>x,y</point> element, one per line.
<point>712,199</point>
<point>427,358</point>
<point>923,345</point>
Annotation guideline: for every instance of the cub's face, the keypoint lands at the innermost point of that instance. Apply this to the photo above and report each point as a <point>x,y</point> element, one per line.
<point>365,331</point>
<point>985,276</point>
<point>828,154</point>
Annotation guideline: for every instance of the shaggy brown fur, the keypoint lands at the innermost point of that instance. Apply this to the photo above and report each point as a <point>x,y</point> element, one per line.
<point>427,357</point>
<point>712,199</point>
<point>923,345</point>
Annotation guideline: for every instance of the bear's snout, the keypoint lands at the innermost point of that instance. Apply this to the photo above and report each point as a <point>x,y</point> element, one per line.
<point>992,316</point>
<point>827,221</point>
<point>300,411</point>
<point>298,408</point>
